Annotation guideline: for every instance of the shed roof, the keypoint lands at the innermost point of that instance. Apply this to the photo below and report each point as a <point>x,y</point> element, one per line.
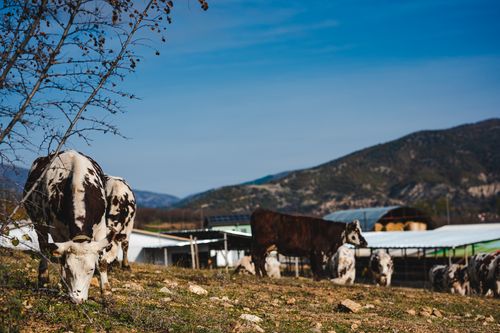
<point>225,220</point>
<point>369,216</point>
<point>445,237</point>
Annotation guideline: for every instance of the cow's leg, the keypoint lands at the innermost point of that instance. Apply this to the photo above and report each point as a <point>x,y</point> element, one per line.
<point>103,277</point>
<point>43,268</point>
<point>316,266</point>
<point>125,263</point>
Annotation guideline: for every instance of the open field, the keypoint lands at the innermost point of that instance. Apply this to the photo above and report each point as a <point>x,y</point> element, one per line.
<point>139,304</point>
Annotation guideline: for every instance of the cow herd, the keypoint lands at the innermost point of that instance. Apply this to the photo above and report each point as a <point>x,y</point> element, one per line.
<point>83,217</point>
<point>85,213</point>
<point>481,276</point>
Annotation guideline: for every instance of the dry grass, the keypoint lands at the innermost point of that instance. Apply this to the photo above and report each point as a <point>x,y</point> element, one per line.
<point>285,305</point>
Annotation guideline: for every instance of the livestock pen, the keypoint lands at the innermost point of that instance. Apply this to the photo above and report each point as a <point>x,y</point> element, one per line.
<point>414,253</point>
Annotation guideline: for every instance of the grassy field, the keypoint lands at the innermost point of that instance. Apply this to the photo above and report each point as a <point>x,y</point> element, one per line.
<point>157,299</point>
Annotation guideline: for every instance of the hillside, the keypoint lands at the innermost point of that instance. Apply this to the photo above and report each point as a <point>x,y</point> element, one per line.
<point>157,299</point>
<point>154,200</point>
<point>418,169</point>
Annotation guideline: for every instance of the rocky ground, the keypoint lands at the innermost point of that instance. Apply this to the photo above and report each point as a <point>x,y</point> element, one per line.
<point>157,299</point>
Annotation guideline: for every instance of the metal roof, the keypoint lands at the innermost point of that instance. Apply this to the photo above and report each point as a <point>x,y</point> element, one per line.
<point>224,220</point>
<point>445,237</point>
<point>369,216</point>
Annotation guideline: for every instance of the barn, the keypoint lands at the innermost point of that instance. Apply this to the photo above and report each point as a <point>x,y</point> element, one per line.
<point>389,218</point>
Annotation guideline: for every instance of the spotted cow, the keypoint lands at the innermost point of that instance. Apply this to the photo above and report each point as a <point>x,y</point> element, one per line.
<point>120,213</point>
<point>245,266</point>
<point>343,266</point>
<point>381,267</point>
<point>493,276</point>
<point>481,280</point>
<point>69,204</point>
<point>457,279</point>
<point>437,277</point>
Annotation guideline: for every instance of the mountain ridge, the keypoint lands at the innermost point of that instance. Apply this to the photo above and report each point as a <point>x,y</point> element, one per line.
<point>462,162</point>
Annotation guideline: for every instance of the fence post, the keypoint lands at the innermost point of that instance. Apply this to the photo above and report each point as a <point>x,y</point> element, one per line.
<point>226,252</point>
<point>296,267</point>
<point>196,253</point>
<point>191,245</point>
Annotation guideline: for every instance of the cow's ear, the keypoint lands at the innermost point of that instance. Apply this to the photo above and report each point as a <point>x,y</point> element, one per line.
<point>58,249</point>
<point>356,224</point>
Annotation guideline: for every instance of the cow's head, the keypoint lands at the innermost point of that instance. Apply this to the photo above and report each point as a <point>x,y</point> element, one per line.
<point>382,267</point>
<point>78,262</point>
<point>352,234</point>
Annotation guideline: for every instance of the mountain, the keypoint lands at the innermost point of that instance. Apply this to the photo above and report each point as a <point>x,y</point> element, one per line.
<point>154,200</point>
<point>14,178</point>
<point>419,169</point>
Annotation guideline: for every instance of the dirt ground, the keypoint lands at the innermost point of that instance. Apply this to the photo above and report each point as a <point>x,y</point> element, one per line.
<point>161,299</point>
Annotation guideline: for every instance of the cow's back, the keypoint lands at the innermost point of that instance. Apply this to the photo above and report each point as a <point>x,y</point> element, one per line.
<point>290,234</point>
<point>69,198</point>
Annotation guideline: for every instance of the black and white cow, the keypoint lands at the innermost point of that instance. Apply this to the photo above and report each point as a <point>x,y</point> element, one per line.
<point>381,267</point>
<point>120,214</point>
<point>457,279</point>
<point>272,266</point>
<point>437,277</point>
<point>480,266</point>
<point>69,204</point>
<point>493,277</point>
<point>343,266</point>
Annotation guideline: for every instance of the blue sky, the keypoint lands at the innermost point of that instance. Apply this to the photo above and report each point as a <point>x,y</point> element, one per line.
<point>251,88</point>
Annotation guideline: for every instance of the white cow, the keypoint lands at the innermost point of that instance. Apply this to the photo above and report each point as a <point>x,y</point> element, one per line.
<point>245,265</point>
<point>343,266</point>
<point>381,267</point>
<point>272,265</point>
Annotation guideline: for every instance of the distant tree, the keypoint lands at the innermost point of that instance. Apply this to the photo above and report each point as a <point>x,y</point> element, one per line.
<point>61,65</point>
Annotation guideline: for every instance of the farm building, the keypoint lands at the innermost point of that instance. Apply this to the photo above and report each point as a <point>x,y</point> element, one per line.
<point>414,253</point>
<point>390,218</point>
<point>225,248</point>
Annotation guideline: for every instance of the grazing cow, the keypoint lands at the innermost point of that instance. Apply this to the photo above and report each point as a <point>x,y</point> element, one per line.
<point>120,214</point>
<point>456,279</point>
<point>343,266</point>
<point>245,266</point>
<point>493,277</point>
<point>478,270</point>
<point>272,265</point>
<point>298,236</point>
<point>69,204</point>
<point>381,267</point>
<point>437,277</point>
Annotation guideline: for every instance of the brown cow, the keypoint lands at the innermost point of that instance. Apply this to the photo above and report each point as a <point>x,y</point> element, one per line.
<point>299,236</point>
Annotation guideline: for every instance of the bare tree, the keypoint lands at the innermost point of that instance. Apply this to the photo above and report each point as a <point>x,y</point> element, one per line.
<point>61,64</point>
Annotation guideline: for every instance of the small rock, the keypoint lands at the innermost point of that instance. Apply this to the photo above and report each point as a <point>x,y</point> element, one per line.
<point>369,306</point>
<point>490,319</point>
<point>275,302</point>
<point>250,317</point>
<point>348,305</point>
<point>170,283</point>
<point>94,282</point>
<point>195,289</point>
<point>411,312</point>
<point>157,272</point>
<point>467,315</point>
<point>437,313</point>
<point>426,311</point>
<point>291,301</point>
<point>429,321</point>
<point>166,299</point>
<point>165,290</point>
<point>246,309</point>
<point>317,328</point>
<point>133,286</point>
<point>479,317</point>
<point>354,326</point>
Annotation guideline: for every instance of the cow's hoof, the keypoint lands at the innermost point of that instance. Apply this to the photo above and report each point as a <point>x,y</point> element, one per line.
<point>126,268</point>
